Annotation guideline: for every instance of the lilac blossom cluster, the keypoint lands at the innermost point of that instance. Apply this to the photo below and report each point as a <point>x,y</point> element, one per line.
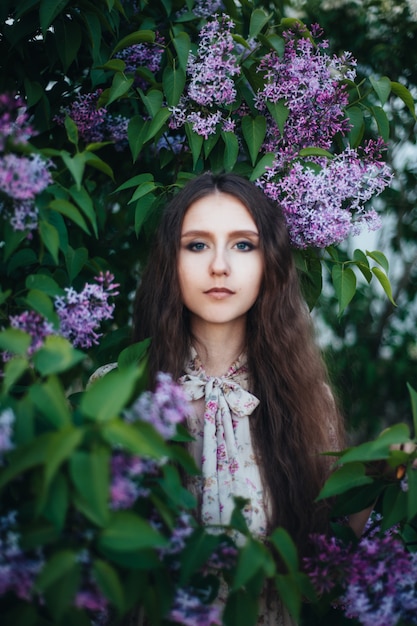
<point>164,408</point>
<point>376,579</point>
<point>22,178</point>
<point>211,86</point>
<point>189,610</point>
<point>80,314</point>
<point>94,122</point>
<point>17,570</point>
<point>146,55</point>
<point>7,419</point>
<point>324,200</point>
<point>35,325</point>
<point>128,474</point>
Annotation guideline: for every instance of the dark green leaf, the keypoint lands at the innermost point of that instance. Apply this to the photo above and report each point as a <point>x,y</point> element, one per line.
<point>345,478</point>
<point>48,11</point>
<point>173,81</point>
<point>344,281</point>
<point>109,583</point>
<point>49,397</point>
<point>127,531</point>
<point>282,541</point>
<point>254,130</point>
<point>382,88</point>
<point>50,238</point>
<point>57,355</point>
<point>140,36</point>
<point>90,475</point>
<point>15,341</point>
<point>106,398</point>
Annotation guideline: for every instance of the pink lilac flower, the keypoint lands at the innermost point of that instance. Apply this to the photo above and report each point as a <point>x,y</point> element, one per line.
<point>189,610</point>
<point>14,121</point>
<point>95,123</point>
<point>164,408</point>
<point>24,215</point>
<point>23,178</point>
<point>224,557</point>
<point>7,419</point>
<point>35,325</point>
<point>184,528</point>
<point>211,87</point>
<point>81,314</point>
<point>323,207</point>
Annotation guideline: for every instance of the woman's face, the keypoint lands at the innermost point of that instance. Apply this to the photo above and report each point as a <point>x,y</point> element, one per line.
<point>220,264</point>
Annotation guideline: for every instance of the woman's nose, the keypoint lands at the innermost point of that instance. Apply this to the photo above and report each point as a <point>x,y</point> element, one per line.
<point>219,264</point>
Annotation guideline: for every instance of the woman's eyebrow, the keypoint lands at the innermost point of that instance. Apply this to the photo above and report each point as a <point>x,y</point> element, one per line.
<point>232,234</point>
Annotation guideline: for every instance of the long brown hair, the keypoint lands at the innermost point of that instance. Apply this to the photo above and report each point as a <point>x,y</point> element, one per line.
<point>297,418</point>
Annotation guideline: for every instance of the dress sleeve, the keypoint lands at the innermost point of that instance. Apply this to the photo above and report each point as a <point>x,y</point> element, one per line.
<point>100,372</point>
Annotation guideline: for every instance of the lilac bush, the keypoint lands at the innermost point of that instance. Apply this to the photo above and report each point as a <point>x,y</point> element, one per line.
<point>376,580</point>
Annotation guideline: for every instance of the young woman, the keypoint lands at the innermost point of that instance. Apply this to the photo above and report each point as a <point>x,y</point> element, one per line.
<point>221,300</point>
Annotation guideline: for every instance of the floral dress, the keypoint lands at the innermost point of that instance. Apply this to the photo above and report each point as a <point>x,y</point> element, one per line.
<point>222,447</point>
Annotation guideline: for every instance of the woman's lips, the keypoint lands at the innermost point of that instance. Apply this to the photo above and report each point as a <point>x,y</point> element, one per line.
<point>219,292</point>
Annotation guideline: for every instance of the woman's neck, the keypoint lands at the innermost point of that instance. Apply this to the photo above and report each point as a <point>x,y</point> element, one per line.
<point>218,345</point>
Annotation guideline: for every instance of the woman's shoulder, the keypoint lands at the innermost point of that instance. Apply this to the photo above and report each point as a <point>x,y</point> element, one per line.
<point>100,372</point>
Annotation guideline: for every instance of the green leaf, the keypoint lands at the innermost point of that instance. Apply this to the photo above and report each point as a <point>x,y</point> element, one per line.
<point>157,123</point>
<point>380,258</point>
<point>15,341</point>
<point>411,493</point>
<point>142,210</point>
<point>75,261</point>
<point>315,152</point>
<point>57,355</point>
<point>119,87</point>
<point>42,303</point>
<point>109,583</point>
<point>138,438</point>
<point>48,11</point>
<point>195,142</point>
<point>13,370</point>
<point>94,161</point>
<point>258,20</point>
<point>44,283</point>
<point>379,448</point>
<point>196,553</point>
<point>264,162</point>
<point>140,36</point>
<point>173,82</point>
<point>127,531</point>
<point>49,236</point>
<point>413,398</point>
<point>394,506</point>
<point>343,479</point>
<point>25,457</point>
<point>153,101</point>
<point>362,263</point>
<point>115,65</point>
<point>384,282</point>
<point>241,608</point>
<point>135,181</point>
<point>282,541</point>
<point>355,115</point>
<point>253,558</point>
<point>289,590</point>
<point>254,131</point>
<point>182,45</point>
<point>404,94</point>
<point>56,505</point>
<point>231,151</point>
<point>58,565</point>
<point>133,354</point>
<point>75,165</point>
<point>137,132</point>
<point>72,130</point>
<point>85,202</point>
<point>382,88</point>
<point>50,399</point>
<point>61,447</point>
<point>142,190</point>
<point>344,281</point>
<point>90,474</point>
<point>70,211</point>
<point>279,112</point>
<point>382,122</point>
<point>106,398</point>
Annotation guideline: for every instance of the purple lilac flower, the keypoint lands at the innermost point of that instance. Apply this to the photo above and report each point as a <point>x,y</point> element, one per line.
<point>164,408</point>
<point>23,178</point>
<point>308,82</point>
<point>127,475</point>
<point>7,419</point>
<point>189,610</point>
<point>211,84</point>
<point>17,570</point>
<point>94,123</point>
<point>377,578</point>
<point>80,314</point>
<point>224,557</point>
<point>35,325</point>
<point>146,55</point>
<point>14,121</point>
<point>322,208</point>
<point>183,529</point>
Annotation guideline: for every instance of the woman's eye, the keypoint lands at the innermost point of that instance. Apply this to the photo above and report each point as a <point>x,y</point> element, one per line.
<point>244,246</point>
<point>196,246</point>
